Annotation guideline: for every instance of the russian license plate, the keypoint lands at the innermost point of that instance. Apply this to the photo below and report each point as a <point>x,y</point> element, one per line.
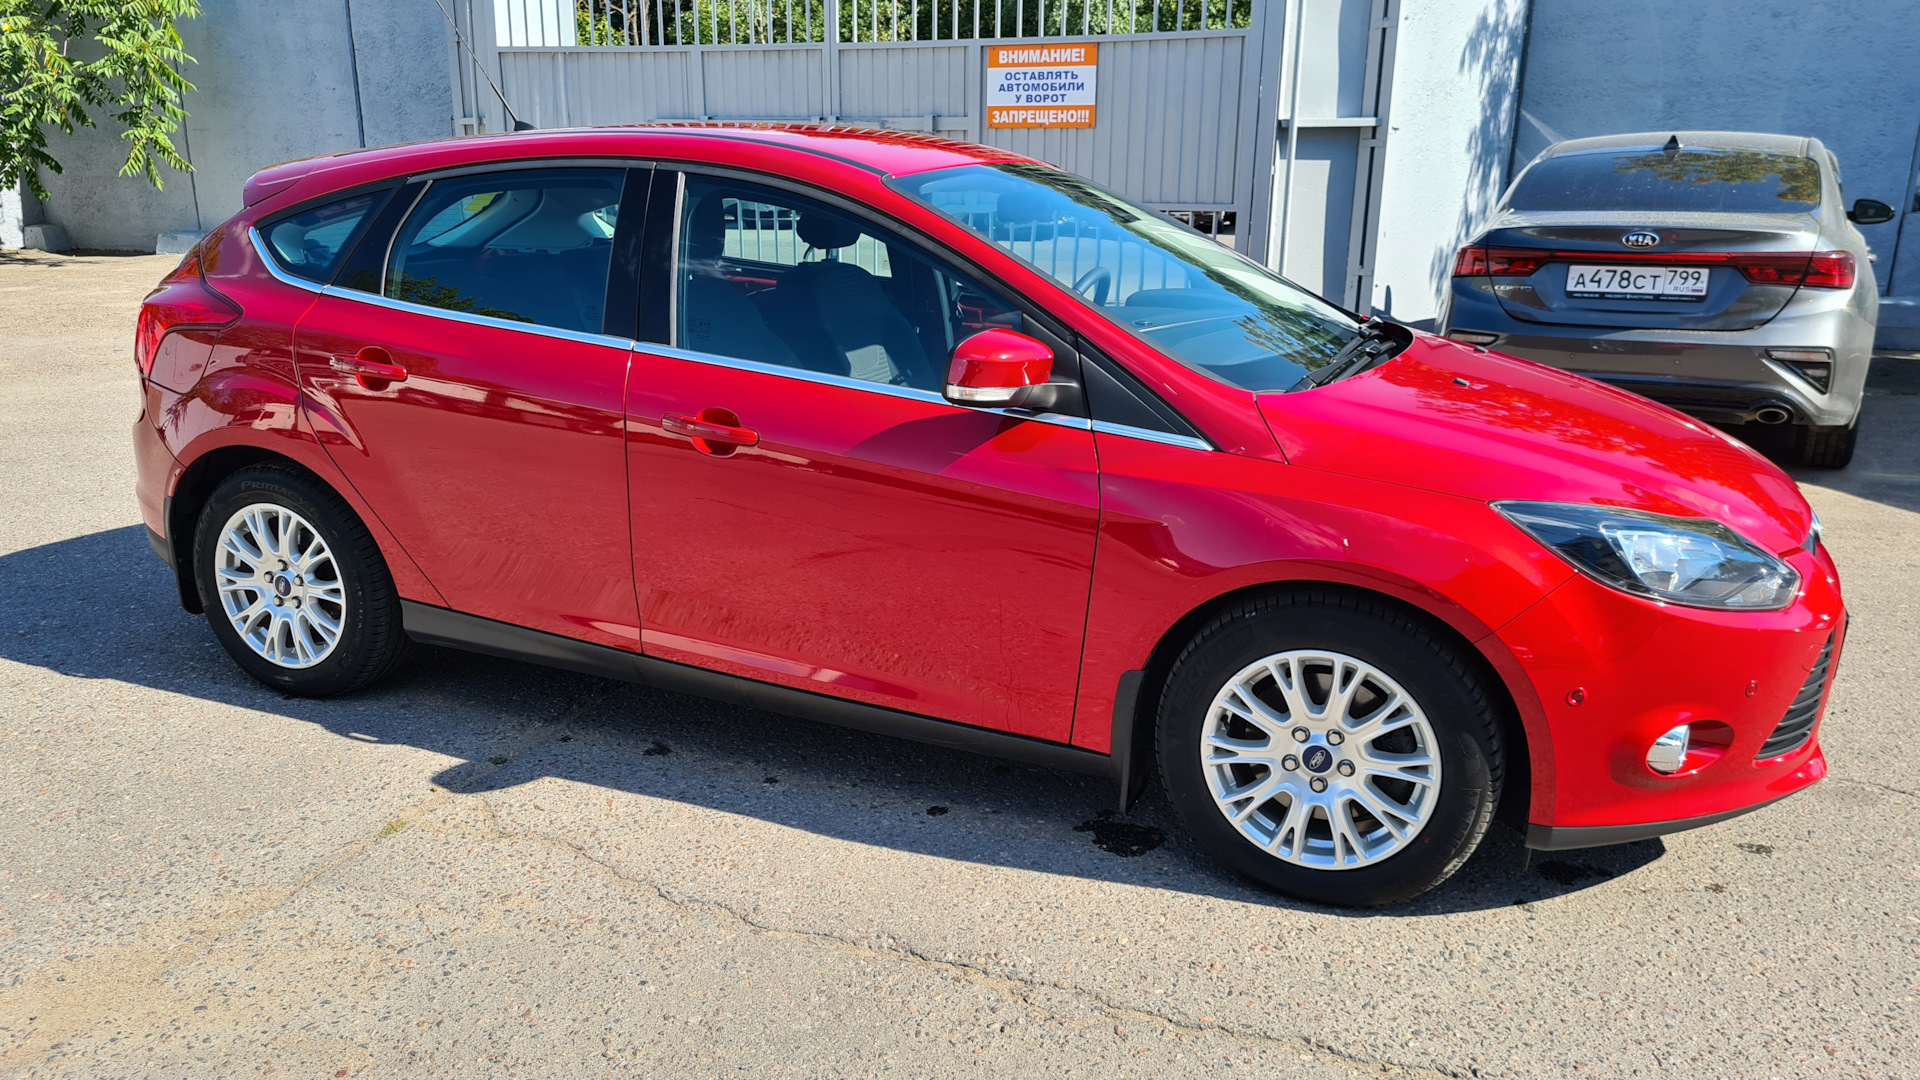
<point>1638,282</point>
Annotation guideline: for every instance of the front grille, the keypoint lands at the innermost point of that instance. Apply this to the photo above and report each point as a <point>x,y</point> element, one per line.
<point>1797,726</point>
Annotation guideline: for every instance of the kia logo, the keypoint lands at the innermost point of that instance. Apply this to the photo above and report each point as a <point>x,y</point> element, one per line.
<point>1641,239</point>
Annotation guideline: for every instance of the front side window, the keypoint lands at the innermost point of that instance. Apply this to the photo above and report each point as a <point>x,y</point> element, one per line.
<point>1200,303</point>
<point>529,246</point>
<point>777,278</point>
<point>312,243</point>
<point>1688,180</point>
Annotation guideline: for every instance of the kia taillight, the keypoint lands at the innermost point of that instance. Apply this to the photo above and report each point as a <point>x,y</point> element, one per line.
<point>1830,270</point>
<point>183,299</point>
<point>1819,270</point>
<point>1471,262</point>
<point>1475,261</point>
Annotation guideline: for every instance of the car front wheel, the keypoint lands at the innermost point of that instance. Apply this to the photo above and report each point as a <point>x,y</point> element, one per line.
<point>294,586</point>
<point>1330,747</point>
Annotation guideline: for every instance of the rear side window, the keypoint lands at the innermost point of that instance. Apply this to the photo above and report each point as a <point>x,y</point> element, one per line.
<point>1687,181</point>
<point>530,246</point>
<point>312,243</point>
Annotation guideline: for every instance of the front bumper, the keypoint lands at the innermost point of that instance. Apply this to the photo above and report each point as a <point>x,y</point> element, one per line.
<point>1612,672</point>
<point>1568,837</point>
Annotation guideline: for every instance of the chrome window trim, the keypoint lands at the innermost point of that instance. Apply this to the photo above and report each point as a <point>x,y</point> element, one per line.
<point>391,304</point>
<point>1128,431</point>
<point>843,382</point>
<point>274,268</point>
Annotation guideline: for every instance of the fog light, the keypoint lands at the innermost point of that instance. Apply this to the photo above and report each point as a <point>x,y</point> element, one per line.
<point>1813,365</point>
<point>1669,751</point>
<point>1473,337</point>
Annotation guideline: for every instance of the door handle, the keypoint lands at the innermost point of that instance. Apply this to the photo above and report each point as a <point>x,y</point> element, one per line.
<point>370,365</point>
<point>712,426</point>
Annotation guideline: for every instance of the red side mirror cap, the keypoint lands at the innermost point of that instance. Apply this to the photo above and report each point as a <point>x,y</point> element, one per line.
<point>995,367</point>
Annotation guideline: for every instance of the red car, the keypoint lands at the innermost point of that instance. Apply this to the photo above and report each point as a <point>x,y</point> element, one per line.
<point>937,441</point>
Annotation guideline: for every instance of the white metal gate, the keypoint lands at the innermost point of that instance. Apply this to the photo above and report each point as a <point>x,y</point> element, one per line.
<point>1255,120</point>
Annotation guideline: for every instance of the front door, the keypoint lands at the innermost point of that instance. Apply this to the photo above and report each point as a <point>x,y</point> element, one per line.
<point>471,397</point>
<point>808,510</point>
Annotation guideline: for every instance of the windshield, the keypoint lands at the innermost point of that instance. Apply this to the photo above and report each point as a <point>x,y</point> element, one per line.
<point>1692,180</point>
<point>1200,303</point>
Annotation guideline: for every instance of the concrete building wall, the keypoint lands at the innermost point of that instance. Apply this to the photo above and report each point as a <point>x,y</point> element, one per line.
<point>1450,121</point>
<point>275,81</point>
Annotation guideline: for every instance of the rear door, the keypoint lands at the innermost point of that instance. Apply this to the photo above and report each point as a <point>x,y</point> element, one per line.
<point>467,386</point>
<point>1694,239</point>
<point>852,532</point>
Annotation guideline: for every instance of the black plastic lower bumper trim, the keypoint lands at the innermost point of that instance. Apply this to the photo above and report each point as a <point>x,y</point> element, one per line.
<point>1555,838</point>
<point>439,626</point>
<point>160,547</point>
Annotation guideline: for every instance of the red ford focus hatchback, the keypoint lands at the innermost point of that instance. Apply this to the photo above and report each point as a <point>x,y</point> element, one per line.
<point>937,441</point>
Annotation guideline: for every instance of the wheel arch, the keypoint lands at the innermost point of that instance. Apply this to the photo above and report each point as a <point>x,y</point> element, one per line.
<point>196,485</point>
<point>1518,782</point>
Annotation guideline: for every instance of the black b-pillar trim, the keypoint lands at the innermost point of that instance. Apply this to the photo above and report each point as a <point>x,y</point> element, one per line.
<point>439,626</point>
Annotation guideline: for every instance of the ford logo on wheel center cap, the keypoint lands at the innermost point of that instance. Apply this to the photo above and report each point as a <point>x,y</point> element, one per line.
<point>1317,759</point>
<point>1641,238</point>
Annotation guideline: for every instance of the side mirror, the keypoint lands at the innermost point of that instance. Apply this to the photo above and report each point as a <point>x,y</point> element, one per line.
<point>997,367</point>
<point>1870,212</point>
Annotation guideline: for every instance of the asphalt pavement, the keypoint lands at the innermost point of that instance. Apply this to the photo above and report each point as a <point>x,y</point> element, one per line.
<point>482,868</point>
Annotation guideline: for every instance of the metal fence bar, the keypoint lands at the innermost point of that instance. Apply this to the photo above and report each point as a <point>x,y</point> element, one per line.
<point>677,24</point>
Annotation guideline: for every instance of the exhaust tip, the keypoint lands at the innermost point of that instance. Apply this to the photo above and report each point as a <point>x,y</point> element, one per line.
<point>1772,414</point>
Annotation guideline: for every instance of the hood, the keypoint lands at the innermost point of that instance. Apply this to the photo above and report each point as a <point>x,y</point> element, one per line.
<point>1445,417</point>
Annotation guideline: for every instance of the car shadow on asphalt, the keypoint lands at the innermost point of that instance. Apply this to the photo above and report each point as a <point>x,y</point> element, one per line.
<point>509,723</point>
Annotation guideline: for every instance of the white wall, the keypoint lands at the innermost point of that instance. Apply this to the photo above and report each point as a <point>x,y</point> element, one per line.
<point>1450,127</point>
<point>275,82</point>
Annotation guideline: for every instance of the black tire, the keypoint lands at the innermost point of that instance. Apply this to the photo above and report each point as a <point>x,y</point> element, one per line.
<point>371,641</point>
<point>1828,447</point>
<point>1428,668</point>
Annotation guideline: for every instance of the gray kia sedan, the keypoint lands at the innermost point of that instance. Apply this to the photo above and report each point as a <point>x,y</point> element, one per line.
<point>1714,271</point>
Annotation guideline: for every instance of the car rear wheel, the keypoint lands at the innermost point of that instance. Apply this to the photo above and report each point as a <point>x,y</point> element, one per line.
<point>1828,447</point>
<point>1330,748</point>
<point>294,586</point>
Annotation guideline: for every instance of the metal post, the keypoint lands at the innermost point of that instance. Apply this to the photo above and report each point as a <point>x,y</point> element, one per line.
<point>1279,260</point>
<point>832,66</point>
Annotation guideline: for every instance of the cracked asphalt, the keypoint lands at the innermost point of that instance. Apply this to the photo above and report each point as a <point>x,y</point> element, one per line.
<point>480,868</point>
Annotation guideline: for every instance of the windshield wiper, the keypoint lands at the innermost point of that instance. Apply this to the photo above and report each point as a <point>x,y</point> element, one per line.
<point>1367,347</point>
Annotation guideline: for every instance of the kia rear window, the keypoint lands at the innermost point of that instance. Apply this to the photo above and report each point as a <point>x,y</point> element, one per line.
<point>312,243</point>
<point>1185,294</point>
<point>526,246</point>
<point>1684,181</point>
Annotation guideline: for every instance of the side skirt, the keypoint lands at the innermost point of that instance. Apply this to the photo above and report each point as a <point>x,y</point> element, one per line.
<point>439,626</point>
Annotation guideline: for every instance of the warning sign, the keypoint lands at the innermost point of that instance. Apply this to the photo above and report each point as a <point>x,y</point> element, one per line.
<point>1036,85</point>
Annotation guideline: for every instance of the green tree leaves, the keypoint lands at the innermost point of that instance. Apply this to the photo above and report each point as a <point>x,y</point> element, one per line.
<point>61,58</point>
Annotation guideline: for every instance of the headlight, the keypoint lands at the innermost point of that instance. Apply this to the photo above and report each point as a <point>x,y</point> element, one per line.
<point>1678,560</point>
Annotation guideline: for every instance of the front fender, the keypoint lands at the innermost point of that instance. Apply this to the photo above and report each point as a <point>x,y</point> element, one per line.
<point>1182,529</point>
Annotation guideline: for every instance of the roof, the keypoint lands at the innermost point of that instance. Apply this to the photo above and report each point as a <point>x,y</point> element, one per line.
<point>888,153</point>
<point>1691,140</point>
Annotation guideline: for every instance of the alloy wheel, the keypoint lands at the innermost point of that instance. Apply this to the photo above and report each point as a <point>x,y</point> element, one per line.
<point>1321,759</point>
<point>280,586</point>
